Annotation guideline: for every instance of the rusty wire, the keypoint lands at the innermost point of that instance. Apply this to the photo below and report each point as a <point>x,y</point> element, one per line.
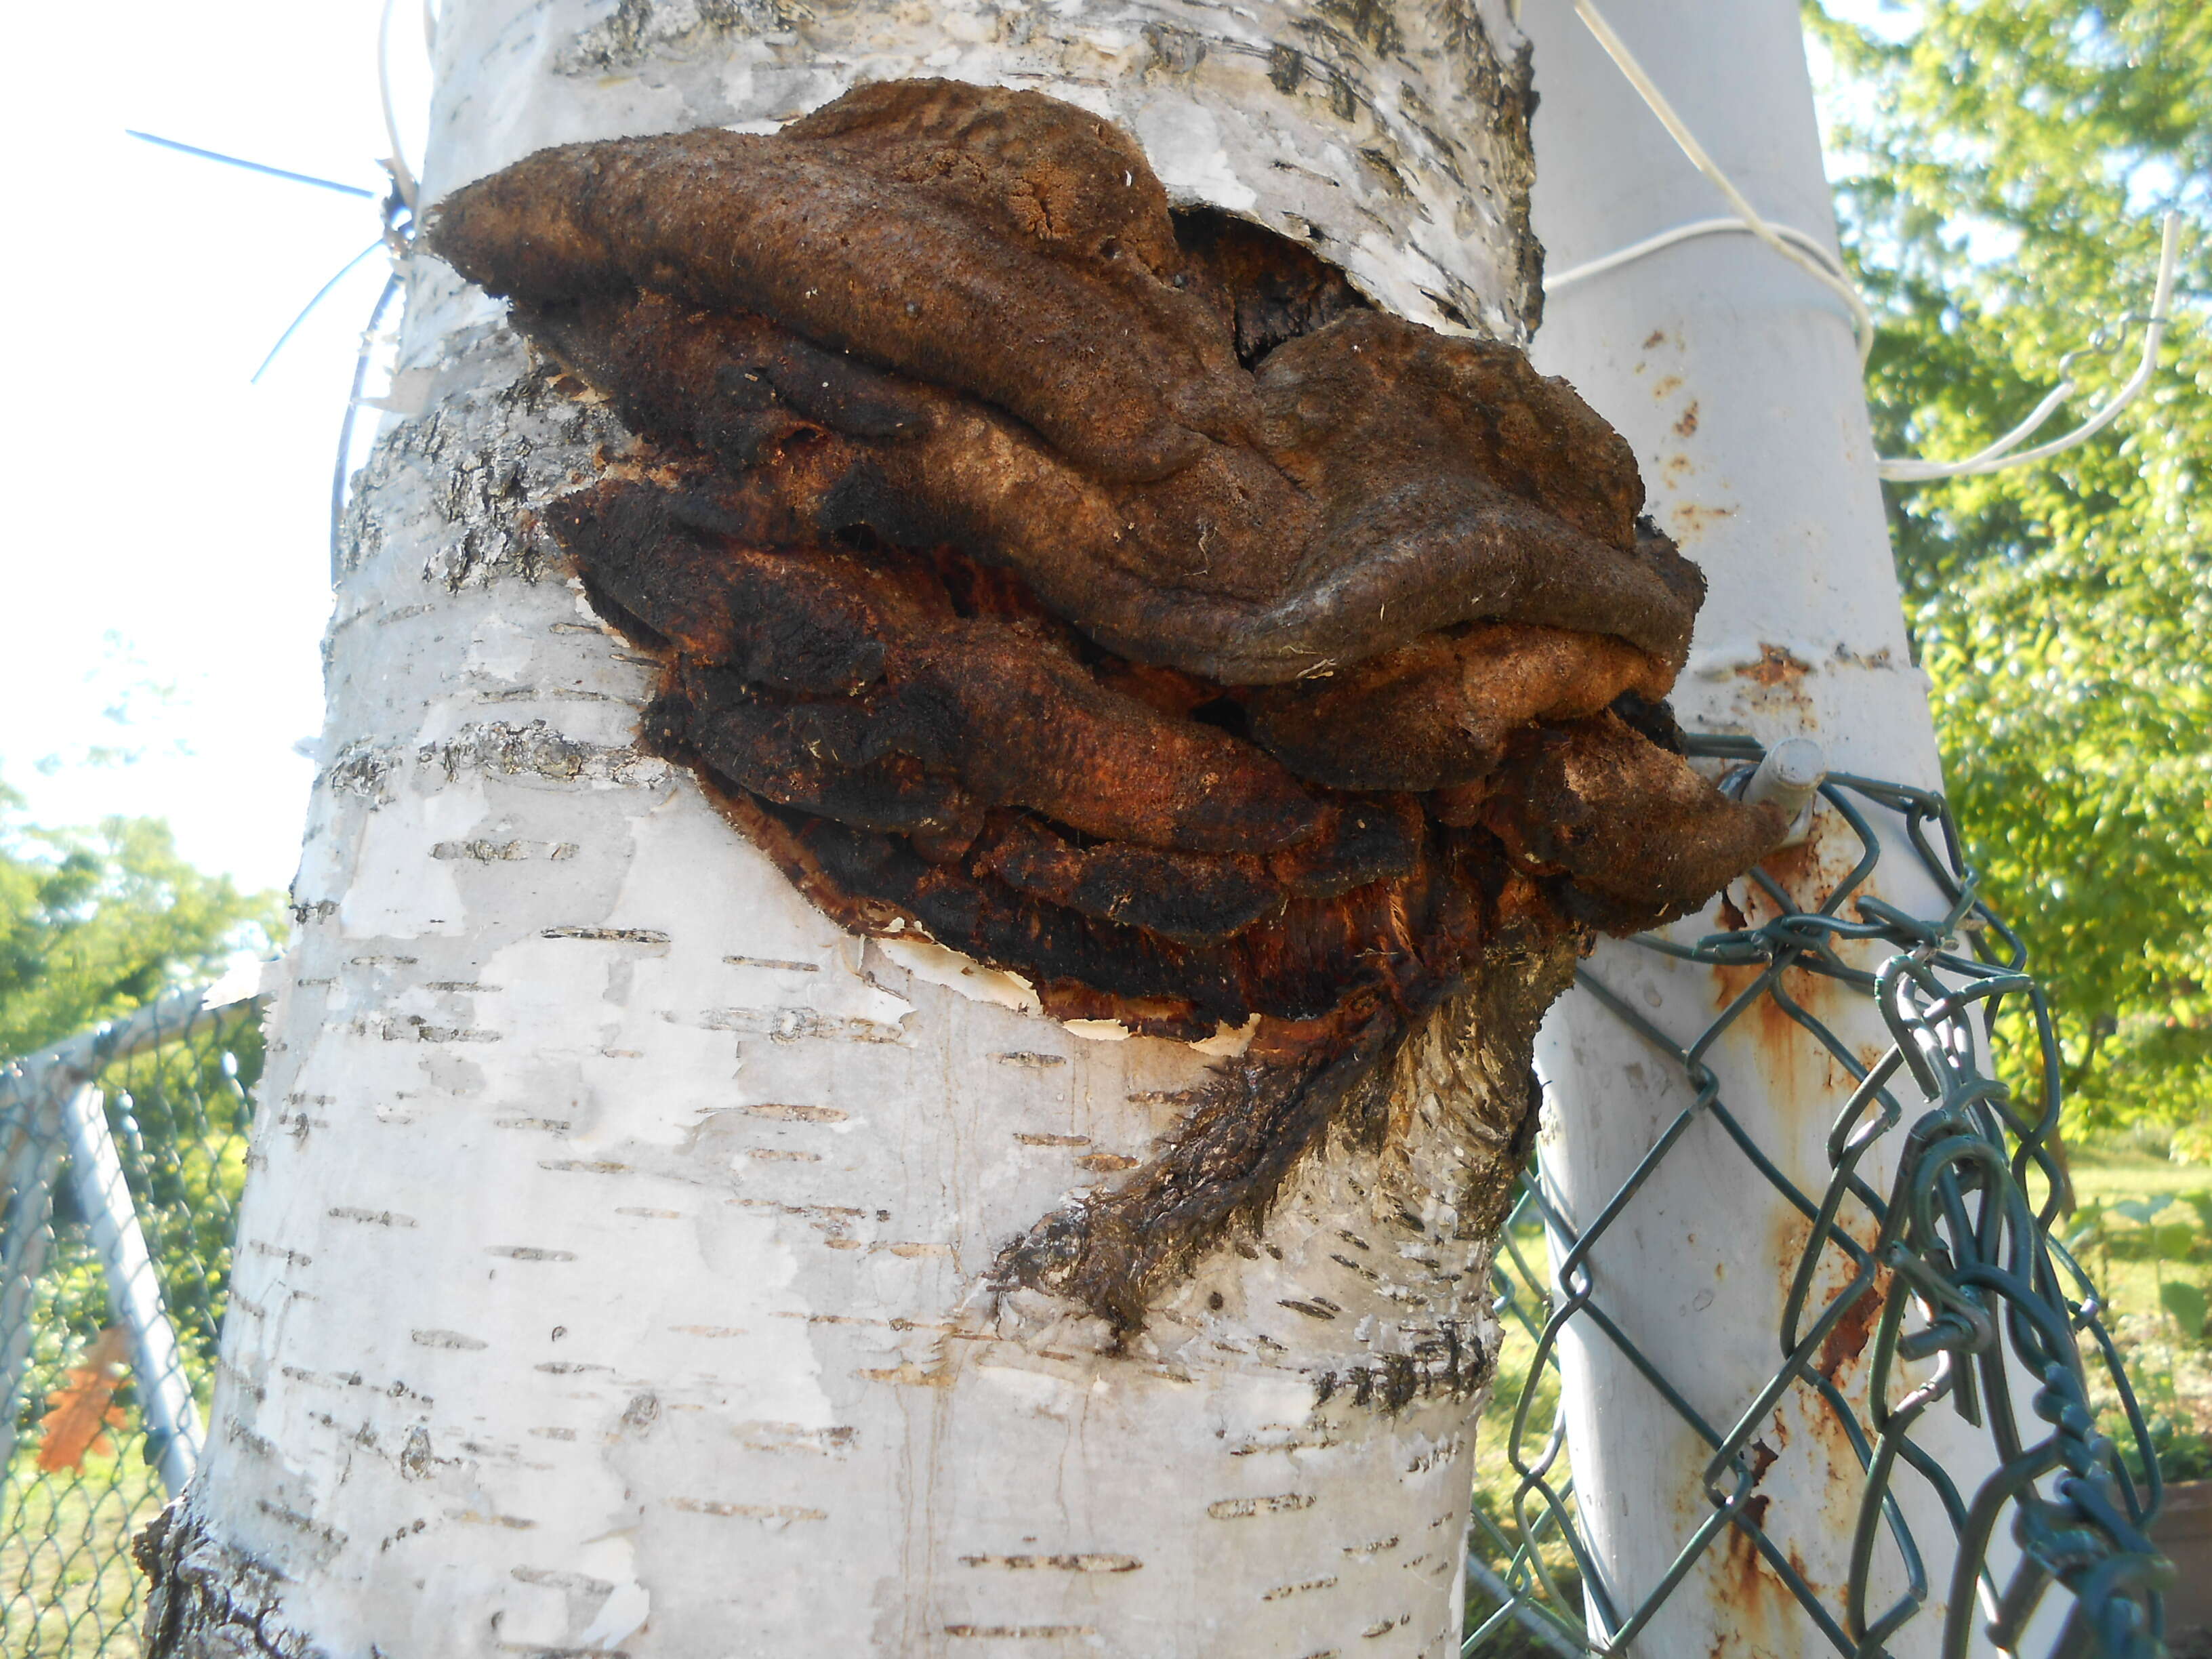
<point>1958,1245</point>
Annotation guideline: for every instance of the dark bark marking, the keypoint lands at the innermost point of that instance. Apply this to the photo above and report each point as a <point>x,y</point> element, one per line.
<point>208,1600</point>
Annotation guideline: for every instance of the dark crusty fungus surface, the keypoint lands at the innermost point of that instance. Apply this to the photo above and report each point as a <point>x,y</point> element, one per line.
<point>1108,592</point>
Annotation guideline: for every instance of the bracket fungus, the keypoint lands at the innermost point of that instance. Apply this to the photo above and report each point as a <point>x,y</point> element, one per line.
<point>1106,591</point>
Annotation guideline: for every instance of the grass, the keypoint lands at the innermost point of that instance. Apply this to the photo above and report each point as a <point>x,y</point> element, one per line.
<point>67,1587</point>
<point>2121,1253</point>
<point>2123,1260</point>
<point>2102,1176</point>
<point>1495,1478</point>
<point>2170,1367</point>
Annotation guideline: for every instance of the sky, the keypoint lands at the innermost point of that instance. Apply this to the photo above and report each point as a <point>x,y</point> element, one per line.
<point>164,570</point>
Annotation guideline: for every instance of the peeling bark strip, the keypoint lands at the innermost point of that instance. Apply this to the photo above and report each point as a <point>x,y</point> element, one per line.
<point>1108,593</point>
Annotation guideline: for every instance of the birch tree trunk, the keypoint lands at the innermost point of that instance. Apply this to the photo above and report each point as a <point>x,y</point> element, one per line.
<point>611,1274</point>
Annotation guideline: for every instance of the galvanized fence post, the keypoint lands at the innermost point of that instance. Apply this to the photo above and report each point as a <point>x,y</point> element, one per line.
<point>30,1155</point>
<point>165,1394</point>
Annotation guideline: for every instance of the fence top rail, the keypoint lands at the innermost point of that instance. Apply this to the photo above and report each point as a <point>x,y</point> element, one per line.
<point>182,1014</point>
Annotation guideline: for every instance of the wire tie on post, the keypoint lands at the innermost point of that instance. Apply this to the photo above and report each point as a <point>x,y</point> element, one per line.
<point>2004,452</point>
<point>1788,246</point>
<point>1811,255</point>
<point>1789,777</point>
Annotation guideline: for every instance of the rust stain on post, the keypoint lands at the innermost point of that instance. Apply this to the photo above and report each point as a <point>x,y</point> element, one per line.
<point>1748,1594</point>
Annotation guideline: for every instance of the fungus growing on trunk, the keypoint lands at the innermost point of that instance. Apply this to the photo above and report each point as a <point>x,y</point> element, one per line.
<point>1105,591</point>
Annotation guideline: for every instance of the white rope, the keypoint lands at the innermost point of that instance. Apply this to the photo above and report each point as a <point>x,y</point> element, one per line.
<point>2005,451</point>
<point>1809,255</point>
<point>1646,88</point>
<point>1697,227</point>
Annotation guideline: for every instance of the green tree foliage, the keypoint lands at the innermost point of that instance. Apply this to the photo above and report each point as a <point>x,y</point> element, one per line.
<point>93,923</point>
<point>2003,171</point>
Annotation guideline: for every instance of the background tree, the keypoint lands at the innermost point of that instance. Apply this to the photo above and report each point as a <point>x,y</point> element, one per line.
<point>93,923</point>
<point>96,922</point>
<point>2001,174</point>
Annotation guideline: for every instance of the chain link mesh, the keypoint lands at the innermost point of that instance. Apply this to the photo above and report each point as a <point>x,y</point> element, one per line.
<point>1962,1278</point>
<point>104,1342</point>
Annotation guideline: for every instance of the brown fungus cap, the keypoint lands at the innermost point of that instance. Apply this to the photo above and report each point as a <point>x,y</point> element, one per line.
<point>1011,262</point>
<point>1106,591</point>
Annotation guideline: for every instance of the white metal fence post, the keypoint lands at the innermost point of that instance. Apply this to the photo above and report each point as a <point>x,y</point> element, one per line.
<point>1736,376</point>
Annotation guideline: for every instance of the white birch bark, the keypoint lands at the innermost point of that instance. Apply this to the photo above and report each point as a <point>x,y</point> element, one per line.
<point>611,1275</point>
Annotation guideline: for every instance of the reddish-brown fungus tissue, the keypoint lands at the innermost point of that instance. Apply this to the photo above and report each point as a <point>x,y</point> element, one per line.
<point>1106,591</point>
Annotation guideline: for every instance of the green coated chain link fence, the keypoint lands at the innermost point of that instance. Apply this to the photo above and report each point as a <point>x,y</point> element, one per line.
<point>1961,1270</point>
<point>122,1154</point>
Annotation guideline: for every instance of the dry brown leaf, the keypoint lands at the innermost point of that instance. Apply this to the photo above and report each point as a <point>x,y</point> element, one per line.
<point>80,1413</point>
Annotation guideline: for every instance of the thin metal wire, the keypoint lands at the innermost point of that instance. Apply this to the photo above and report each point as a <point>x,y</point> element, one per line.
<point>1956,1245</point>
<point>403,176</point>
<point>252,166</point>
<point>398,236</point>
<point>320,294</point>
<point>1666,239</point>
<point>2005,451</point>
<point>1678,130</point>
<point>339,475</point>
<point>399,211</point>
